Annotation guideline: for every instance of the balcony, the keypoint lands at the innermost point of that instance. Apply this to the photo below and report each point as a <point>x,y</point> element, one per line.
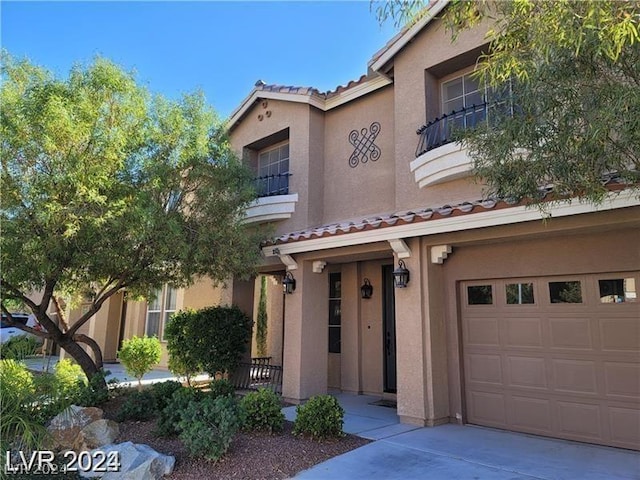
<point>439,157</point>
<point>274,202</point>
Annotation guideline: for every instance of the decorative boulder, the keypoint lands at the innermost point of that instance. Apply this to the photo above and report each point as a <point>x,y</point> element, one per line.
<point>136,462</point>
<point>96,434</point>
<point>66,426</point>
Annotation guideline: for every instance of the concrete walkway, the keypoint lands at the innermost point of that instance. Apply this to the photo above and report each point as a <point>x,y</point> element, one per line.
<point>452,452</point>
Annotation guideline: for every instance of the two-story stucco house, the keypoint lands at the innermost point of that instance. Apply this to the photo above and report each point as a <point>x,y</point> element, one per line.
<point>505,320</point>
<point>499,319</point>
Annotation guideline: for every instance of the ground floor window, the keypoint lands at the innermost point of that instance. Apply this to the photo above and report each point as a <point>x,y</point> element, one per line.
<point>159,310</point>
<point>335,294</point>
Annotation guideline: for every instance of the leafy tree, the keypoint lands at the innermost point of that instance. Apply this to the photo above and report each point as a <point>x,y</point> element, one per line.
<point>106,187</point>
<point>139,355</point>
<point>574,114</point>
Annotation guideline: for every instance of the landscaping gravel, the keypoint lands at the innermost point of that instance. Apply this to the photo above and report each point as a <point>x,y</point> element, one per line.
<point>254,455</point>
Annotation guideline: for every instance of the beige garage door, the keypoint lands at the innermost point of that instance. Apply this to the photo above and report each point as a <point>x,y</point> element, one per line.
<point>555,356</point>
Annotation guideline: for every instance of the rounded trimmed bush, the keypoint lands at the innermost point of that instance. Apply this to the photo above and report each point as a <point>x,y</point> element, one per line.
<point>321,417</point>
<point>262,411</point>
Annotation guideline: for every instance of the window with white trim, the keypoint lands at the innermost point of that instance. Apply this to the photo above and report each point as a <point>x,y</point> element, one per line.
<point>159,310</point>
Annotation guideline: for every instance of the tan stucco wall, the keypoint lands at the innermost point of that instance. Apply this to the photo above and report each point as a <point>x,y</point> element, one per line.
<point>417,99</point>
<point>304,145</point>
<point>368,188</point>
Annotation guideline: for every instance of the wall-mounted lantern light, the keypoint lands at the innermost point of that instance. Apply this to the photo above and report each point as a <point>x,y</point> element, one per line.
<point>400,275</point>
<point>288,283</point>
<point>366,290</point>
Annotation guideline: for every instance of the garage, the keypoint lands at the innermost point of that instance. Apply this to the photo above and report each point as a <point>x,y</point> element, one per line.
<point>554,356</point>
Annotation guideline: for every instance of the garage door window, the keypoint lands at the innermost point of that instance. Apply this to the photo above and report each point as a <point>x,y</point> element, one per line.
<point>480,295</point>
<point>565,292</point>
<point>519,293</point>
<point>617,290</point>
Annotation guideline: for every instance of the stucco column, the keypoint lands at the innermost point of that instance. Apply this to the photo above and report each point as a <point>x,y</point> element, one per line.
<point>306,314</point>
<point>410,342</point>
<point>350,340</point>
<point>421,342</point>
<point>436,378</point>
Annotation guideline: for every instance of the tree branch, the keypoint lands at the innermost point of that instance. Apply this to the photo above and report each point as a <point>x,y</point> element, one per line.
<point>9,319</point>
<point>93,345</point>
<point>95,306</point>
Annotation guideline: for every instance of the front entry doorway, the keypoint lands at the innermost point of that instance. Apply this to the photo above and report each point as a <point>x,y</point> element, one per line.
<point>389,329</point>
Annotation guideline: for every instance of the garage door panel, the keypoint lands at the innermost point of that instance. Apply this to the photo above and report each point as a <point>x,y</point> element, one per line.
<point>622,379</point>
<point>568,370</point>
<point>483,331</point>
<point>529,372</point>
<point>523,332</point>
<point>575,376</point>
<point>531,413</point>
<point>573,333</point>
<point>580,419</point>
<point>485,369</point>
<point>624,424</point>
<point>488,408</point>
<point>620,334</point>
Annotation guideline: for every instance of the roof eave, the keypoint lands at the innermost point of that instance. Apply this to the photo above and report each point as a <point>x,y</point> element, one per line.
<point>378,63</point>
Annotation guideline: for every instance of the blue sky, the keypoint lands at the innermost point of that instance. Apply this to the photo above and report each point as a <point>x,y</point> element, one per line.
<point>219,47</point>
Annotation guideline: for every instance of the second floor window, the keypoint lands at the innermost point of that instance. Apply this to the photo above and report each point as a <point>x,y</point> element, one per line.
<point>461,95</point>
<point>273,171</point>
<point>159,311</point>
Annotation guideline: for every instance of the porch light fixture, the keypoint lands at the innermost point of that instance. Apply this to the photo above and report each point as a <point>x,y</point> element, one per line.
<point>366,290</point>
<point>400,275</point>
<point>288,283</point>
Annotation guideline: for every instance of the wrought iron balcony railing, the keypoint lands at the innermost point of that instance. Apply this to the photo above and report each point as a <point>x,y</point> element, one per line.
<point>442,130</point>
<point>270,185</point>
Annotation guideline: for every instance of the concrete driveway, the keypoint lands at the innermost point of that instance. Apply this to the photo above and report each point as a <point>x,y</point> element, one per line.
<point>454,452</point>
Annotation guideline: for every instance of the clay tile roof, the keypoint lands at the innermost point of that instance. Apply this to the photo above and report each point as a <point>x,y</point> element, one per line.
<point>261,86</point>
<point>612,182</point>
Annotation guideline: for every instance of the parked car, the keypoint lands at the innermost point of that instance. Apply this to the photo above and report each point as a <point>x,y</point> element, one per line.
<point>7,331</point>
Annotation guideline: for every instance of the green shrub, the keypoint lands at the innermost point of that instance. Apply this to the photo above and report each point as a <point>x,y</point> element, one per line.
<point>221,388</point>
<point>180,333</point>
<point>138,406</point>
<point>162,392</point>
<point>262,410</point>
<point>69,376</point>
<point>139,355</point>
<point>19,347</point>
<point>91,394</point>
<point>16,379</point>
<point>211,340</point>
<point>322,416</point>
<point>169,417</point>
<point>208,426</point>
<point>19,426</point>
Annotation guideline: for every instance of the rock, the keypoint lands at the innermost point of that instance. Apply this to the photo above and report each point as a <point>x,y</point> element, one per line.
<point>75,416</point>
<point>136,462</point>
<point>66,426</point>
<point>96,434</point>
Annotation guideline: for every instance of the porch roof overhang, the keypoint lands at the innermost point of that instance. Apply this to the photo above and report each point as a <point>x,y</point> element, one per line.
<point>432,221</point>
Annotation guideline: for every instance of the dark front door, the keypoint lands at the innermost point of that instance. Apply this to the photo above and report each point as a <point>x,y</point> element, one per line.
<point>389,329</point>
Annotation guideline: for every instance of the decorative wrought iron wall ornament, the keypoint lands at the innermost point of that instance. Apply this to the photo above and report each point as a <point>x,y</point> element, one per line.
<point>364,149</point>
